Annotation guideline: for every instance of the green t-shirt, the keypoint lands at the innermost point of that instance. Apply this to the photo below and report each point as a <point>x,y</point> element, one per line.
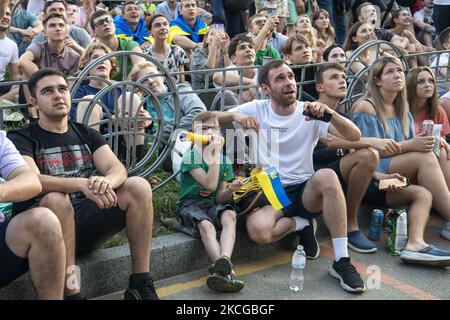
<point>189,188</point>
<point>269,52</point>
<point>124,45</point>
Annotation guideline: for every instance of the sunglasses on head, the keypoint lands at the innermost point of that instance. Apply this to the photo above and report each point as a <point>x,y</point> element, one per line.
<point>105,20</point>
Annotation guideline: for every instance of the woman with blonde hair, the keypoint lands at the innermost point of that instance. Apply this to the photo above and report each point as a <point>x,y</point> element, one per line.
<point>421,90</point>
<point>322,27</point>
<point>304,28</point>
<point>383,113</point>
<point>101,78</point>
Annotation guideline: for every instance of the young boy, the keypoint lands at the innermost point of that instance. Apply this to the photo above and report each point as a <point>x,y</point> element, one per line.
<point>441,61</point>
<point>205,201</point>
<point>297,52</point>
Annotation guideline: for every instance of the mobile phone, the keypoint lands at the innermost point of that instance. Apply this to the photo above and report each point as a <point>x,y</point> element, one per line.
<point>326,116</point>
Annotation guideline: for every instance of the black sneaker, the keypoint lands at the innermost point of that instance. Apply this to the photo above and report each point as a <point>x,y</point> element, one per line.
<point>309,241</point>
<point>222,266</point>
<point>145,291</point>
<point>347,274</point>
<point>226,283</point>
<point>77,296</point>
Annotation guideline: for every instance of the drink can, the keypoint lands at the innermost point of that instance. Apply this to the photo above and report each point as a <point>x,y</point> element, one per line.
<point>376,224</point>
<point>427,127</point>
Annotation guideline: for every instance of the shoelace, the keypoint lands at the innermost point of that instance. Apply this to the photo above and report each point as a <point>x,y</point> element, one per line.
<point>348,269</point>
<point>148,289</point>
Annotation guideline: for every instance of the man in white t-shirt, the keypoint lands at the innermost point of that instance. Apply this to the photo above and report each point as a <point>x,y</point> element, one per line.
<point>9,58</point>
<point>286,140</point>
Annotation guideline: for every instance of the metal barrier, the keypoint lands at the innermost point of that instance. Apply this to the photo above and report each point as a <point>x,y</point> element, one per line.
<point>160,147</point>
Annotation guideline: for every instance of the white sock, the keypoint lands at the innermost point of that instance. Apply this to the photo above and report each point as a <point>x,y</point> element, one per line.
<point>300,223</point>
<point>340,248</point>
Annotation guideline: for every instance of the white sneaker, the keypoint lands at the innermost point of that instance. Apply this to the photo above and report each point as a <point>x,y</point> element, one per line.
<point>445,233</point>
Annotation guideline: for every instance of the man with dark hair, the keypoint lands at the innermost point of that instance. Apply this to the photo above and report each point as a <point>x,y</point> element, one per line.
<point>131,25</point>
<point>354,170</point>
<point>52,53</point>
<point>78,38</point>
<point>84,184</point>
<point>286,140</point>
<point>105,31</point>
<point>297,52</point>
<point>242,54</point>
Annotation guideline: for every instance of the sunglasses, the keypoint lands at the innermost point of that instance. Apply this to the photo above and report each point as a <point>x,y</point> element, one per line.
<point>101,22</point>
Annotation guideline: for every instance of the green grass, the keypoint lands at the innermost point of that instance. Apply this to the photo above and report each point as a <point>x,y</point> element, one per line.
<point>164,206</point>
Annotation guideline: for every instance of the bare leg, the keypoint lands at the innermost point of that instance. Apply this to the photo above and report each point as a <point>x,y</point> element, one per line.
<point>96,114</point>
<point>60,204</point>
<point>425,169</point>
<point>445,103</point>
<point>135,197</point>
<point>209,239</point>
<point>36,234</point>
<point>323,192</point>
<point>268,226</point>
<point>228,235</point>
<point>444,162</point>
<point>419,200</point>
<point>357,170</point>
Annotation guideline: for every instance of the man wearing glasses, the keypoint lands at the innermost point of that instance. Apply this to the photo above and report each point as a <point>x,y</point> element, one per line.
<point>78,38</point>
<point>104,31</point>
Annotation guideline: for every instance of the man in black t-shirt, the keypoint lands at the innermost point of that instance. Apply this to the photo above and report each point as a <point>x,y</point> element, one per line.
<point>85,184</point>
<point>356,169</point>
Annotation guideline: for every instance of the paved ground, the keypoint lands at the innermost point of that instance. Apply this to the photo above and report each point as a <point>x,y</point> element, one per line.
<point>268,278</point>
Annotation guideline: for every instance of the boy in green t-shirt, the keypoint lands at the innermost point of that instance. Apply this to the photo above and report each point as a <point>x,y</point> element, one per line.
<point>205,201</point>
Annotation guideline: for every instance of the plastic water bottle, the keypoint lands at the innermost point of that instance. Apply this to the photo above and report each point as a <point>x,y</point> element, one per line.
<point>298,265</point>
<point>401,232</point>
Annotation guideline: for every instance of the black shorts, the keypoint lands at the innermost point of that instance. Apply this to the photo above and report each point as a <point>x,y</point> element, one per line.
<point>5,89</point>
<point>191,212</point>
<point>95,226</point>
<point>374,196</point>
<point>336,167</point>
<point>11,266</point>
<point>297,209</point>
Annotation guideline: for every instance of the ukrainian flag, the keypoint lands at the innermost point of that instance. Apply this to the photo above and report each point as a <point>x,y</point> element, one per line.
<point>273,189</point>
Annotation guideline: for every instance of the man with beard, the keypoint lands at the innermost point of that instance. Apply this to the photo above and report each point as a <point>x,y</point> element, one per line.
<point>286,140</point>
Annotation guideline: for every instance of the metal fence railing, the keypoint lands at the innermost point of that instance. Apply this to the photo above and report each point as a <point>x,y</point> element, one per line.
<point>118,126</point>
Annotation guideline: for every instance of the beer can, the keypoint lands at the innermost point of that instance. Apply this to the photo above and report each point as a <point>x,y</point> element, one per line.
<point>427,127</point>
<point>376,224</point>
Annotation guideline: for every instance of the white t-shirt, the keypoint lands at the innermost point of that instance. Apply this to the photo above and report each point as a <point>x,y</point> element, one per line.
<point>35,7</point>
<point>9,53</point>
<point>285,142</point>
<point>444,86</point>
<point>236,72</point>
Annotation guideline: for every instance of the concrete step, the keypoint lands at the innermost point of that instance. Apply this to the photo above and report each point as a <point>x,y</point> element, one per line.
<point>107,270</point>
